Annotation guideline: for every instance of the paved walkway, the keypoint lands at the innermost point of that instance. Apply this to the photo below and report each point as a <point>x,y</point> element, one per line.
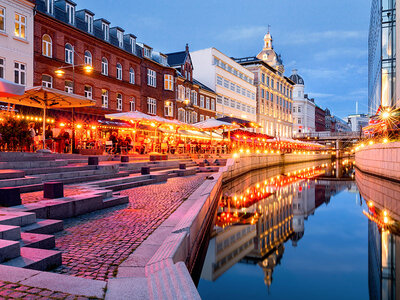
<point>18,291</point>
<point>34,197</point>
<point>94,245</point>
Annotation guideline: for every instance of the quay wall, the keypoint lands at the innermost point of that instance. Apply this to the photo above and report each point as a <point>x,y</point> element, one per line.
<point>382,160</point>
<point>178,253</point>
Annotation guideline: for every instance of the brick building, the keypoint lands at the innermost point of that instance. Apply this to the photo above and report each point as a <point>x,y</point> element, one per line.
<point>319,119</point>
<point>125,75</point>
<point>195,101</point>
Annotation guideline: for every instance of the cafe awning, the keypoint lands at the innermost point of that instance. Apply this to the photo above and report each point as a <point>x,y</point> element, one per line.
<point>213,124</point>
<point>10,89</point>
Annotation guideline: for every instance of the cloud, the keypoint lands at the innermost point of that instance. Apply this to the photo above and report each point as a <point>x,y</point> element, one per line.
<point>319,95</point>
<point>300,38</point>
<point>354,53</point>
<point>243,33</point>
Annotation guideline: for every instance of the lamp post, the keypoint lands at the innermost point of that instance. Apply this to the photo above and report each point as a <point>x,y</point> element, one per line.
<point>60,72</point>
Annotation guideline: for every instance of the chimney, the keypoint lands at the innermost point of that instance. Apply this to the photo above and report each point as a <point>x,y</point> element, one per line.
<point>187,48</point>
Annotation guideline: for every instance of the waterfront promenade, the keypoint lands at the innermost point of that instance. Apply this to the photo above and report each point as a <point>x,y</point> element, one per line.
<point>94,245</point>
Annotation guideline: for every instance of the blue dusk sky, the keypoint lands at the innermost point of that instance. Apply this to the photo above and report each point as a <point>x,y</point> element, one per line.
<point>327,41</point>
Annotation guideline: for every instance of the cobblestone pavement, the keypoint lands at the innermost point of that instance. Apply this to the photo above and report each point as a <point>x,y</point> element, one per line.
<point>18,291</point>
<point>95,244</point>
<point>38,196</point>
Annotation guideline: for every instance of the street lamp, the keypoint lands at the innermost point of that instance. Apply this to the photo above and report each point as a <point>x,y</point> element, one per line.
<point>60,72</point>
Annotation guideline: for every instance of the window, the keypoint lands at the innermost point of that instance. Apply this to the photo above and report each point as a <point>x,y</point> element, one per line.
<point>181,115</point>
<point>88,92</point>
<point>226,101</point>
<point>89,22</point>
<point>119,101</point>
<point>133,45</point>
<point>104,98</point>
<point>219,99</point>
<point>215,61</point>
<point>226,84</point>
<point>262,93</point>
<point>238,89</point>
<point>2,19</point>
<point>151,106</point>
<point>2,67</point>
<point>168,82</point>
<point>19,73</point>
<point>299,121</point>
<point>20,26</point>
<point>238,105</point>
<point>219,80</point>
<point>299,109</point>
<point>69,54</point>
<point>106,31</point>
<point>232,86</point>
<point>70,13</point>
<point>47,49</point>
<point>187,95</point>
<point>69,86</point>
<point>104,66</point>
<point>151,78</point>
<point>181,92</point>
<point>201,118</point>
<point>168,109</point>
<point>119,71</point>
<point>212,104</point>
<point>194,98</point>
<point>132,104</point>
<point>120,38</point>
<point>194,117</point>
<point>50,6</point>
<point>201,101</point>
<point>147,52</point>
<point>233,103</point>
<point>131,76</point>
<point>47,81</point>
<point>263,78</point>
<point>243,92</point>
<point>88,58</point>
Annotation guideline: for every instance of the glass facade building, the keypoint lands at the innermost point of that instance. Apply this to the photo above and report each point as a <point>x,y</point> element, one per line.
<point>382,55</point>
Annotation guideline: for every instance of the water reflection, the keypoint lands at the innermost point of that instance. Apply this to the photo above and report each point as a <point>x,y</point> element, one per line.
<point>263,210</point>
<point>382,198</point>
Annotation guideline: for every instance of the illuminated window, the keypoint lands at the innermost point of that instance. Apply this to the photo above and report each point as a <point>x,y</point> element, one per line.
<point>47,46</point>
<point>104,98</point>
<point>69,86</point>
<point>168,82</point>
<point>168,109</point>
<point>20,26</point>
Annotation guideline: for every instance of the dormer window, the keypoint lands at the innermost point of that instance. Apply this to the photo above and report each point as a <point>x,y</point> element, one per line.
<point>106,30</point>
<point>163,60</point>
<point>70,9</point>
<point>89,22</point>
<point>133,45</point>
<point>120,37</point>
<point>50,6</point>
<point>147,52</point>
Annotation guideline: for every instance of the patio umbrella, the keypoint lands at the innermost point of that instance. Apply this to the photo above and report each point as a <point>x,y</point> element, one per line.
<point>213,124</point>
<point>10,89</point>
<point>45,98</point>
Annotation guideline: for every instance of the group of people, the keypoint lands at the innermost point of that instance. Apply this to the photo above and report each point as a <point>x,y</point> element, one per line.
<point>119,143</point>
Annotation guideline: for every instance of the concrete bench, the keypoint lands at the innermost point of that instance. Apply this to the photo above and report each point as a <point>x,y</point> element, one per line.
<point>93,160</point>
<point>53,190</point>
<point>10,196</point>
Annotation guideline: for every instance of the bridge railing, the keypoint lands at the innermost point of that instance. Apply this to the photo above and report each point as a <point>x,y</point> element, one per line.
<point>330,135</point>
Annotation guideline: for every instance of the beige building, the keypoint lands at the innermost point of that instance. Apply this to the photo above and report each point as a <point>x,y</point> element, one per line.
<point>274,91</point>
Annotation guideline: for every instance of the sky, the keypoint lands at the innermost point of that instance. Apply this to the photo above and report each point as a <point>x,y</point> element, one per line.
<point>327,41</point>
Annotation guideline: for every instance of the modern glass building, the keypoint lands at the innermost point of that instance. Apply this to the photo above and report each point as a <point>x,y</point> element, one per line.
<point>382,55</point>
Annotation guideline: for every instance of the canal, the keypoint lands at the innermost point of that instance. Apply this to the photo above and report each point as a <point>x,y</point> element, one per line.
<point>301,231</point>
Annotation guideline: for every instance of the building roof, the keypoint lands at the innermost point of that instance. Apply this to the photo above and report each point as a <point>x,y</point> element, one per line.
<point>176,58</point>
<point>296,78</point>
<point>203,86</point>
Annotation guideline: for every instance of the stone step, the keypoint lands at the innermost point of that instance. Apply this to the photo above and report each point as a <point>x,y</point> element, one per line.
<point>44,226</point>
<point>16,218</point>
<point>10,174</point>
<point>19,181</point>
<point>11,233</point>
<point>36,259</point>
<point>94,177</point>
<point>130,185</point>
<point>37,240</point>
<point>62,169</point>
<point>21,165</point>
<point>115,200</point>
<point>9,250</point>
<point>115,181</point>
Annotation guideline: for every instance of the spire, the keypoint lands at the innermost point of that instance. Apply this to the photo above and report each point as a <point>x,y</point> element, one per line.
<point>268,40</point>
<point>187,48</point>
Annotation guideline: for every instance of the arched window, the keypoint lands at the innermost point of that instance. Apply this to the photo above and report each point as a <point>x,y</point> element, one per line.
<point>181,115</point>
<point>88,58</point>
<point>47,46</point>
<point>119,101</point>
<point>69,54</point>
<point>104,66</point>
<point>119,71</point>
<point>133,104</point>
<point>47,81</point>
<point>131,76</point>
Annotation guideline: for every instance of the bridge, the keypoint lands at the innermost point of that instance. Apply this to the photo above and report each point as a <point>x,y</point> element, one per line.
<point>339,141</point>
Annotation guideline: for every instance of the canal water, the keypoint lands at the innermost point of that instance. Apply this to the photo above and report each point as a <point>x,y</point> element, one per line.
<point>300,232</point>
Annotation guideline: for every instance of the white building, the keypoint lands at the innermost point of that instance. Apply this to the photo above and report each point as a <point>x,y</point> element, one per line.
<point>16,41</point>
<point>303,107</point>
<point>236,94</point>
<point>357,121</point>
